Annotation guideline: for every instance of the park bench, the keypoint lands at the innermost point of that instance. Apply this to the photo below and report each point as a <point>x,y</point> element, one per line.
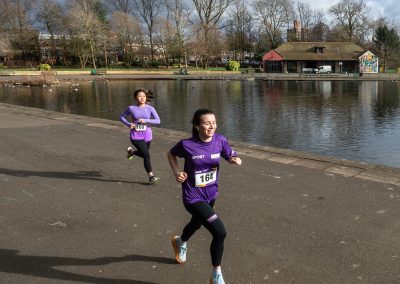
<point>98,72</point>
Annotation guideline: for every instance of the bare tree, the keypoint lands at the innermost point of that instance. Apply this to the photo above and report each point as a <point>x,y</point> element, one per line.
<point>86,25</point>
<point>178,17</point>
<point>239,29</point>
<point>209,14</point>
<point>166,40</point>
<point>274,16</point>
<point>129,34</point>
<point>351,18</point>
<point>16,23</point>
<point>5,46</point>
<point>17,14</point>
<point>320,30</point>
<point>202,48</point>
<point>305,16</point>
<point>123,6</point>
<point>50,15</point>
<point>148,11</point>
<point>5,13</point>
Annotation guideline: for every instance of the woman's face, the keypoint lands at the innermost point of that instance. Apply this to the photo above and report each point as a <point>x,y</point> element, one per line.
<point>141,98</point>
<point>207,126</point>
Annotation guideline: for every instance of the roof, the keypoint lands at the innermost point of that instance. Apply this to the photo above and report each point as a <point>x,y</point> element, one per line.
<point>335,51</point>
<point>272,55</point>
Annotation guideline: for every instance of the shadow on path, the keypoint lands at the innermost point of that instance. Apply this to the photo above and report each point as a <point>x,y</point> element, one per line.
<point>44,266</point>
<point>83,175</point>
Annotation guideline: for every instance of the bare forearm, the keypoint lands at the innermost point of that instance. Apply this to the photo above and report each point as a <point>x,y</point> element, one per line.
<point>173,163</point>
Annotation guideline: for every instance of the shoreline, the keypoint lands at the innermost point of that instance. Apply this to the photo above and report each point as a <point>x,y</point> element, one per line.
<point>57,77</point>
<point>326,164</point>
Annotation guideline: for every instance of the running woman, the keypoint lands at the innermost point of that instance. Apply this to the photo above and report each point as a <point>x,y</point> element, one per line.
<point>142,114</point>
<point>199,178</point>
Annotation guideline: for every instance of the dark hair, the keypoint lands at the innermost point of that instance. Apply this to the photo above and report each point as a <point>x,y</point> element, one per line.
<point>147,92</point>
<point>197,118</point>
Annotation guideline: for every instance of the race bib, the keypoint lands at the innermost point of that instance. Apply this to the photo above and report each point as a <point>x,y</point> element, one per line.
<point>140,127</point>
<point>203,179</point>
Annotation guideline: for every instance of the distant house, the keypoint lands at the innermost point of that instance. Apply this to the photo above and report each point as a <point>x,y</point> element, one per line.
<point>294,57</point>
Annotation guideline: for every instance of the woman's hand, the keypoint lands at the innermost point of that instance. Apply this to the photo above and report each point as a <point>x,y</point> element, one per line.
<point>180,176</point>
<point>133,126</point>
<point>235,160</point>
<point>141,121</point>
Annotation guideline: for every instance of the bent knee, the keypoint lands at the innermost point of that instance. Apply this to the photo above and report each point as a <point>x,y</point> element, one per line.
<point>219,231</point>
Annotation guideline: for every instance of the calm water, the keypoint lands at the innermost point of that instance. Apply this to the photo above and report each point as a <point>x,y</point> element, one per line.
<point>353,120</point>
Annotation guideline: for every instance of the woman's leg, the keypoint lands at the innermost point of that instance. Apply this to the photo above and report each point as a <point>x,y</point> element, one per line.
<point>204,214</point>
<point>143,152</point>
<point>190,228</point>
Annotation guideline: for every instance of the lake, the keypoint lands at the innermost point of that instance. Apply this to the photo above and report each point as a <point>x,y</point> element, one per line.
<point>355,120</point>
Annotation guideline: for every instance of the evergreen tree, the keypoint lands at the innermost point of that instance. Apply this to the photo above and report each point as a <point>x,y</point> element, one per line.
<point>386,42</point>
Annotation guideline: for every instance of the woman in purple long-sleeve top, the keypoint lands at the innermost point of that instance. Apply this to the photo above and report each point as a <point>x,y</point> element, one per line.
<point>142,115</point>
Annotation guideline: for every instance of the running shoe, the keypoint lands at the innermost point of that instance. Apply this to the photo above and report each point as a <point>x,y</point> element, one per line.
<point>154,179</point>
<point>129,154</point>
<point>180,249</point>
<point>217,278</point>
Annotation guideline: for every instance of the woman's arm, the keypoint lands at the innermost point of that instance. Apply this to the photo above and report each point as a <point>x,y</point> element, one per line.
<point>123,116</point>
<point>155,119</point>
<point>229,154</point>
<point>173,162</point>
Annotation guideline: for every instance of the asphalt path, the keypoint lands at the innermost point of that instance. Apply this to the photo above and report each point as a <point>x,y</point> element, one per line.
<point>73,209</point>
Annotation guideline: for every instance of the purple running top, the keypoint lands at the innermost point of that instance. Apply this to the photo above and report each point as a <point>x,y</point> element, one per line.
<point>142,131</point>
<point>202,166</point>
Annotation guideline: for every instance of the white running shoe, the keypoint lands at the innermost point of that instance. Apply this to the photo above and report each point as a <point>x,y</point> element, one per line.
<point>154,179</point>
<point>129,154</point>
<point>180,249</point>
<point>216,278</point>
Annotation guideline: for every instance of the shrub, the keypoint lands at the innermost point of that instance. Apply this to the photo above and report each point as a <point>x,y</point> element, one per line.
<point>44,67</point>
<point>154,63</point>
<point>232,65</point>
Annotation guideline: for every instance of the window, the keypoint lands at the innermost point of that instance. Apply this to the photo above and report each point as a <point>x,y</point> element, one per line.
<point>292,66</point>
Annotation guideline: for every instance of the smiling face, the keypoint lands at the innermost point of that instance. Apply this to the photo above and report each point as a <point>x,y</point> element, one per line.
<point>207,126</point>
<point>141,98</point>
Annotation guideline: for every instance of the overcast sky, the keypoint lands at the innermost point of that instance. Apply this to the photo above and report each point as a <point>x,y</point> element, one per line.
<point>389,9</point>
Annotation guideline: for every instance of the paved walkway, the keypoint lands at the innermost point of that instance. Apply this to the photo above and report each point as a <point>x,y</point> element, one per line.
<point>73,209</point>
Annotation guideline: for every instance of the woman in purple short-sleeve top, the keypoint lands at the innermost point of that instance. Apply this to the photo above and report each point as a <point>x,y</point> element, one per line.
<point>142,115</point>
<point>202,153</point>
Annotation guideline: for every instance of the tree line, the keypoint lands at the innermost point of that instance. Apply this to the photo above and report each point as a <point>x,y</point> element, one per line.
<point>102,33</point>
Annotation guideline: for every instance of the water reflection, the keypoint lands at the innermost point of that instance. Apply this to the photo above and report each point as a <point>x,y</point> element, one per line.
<point>353,120</point>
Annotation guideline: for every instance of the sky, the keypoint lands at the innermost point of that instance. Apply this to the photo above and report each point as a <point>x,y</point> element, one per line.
<point>389,9</point>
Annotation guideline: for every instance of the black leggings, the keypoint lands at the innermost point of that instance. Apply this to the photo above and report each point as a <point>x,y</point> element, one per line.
<point>143,152</point>
<point>204,214</point>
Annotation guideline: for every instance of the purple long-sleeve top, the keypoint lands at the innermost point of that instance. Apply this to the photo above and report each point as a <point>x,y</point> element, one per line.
<point>202,166</point>
<point>148,114</point>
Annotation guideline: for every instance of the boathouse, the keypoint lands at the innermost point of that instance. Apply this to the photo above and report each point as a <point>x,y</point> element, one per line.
<point>295,57</point>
